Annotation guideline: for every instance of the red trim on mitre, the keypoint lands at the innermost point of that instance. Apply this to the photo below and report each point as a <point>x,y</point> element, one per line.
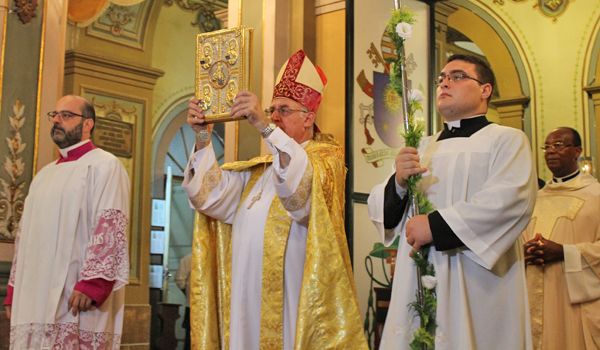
<point>321,75</point>
<point>288,86</point>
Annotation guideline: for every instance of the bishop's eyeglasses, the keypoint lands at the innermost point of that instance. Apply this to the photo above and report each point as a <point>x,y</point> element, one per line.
<point>556,146</point>
<point>283,111</point>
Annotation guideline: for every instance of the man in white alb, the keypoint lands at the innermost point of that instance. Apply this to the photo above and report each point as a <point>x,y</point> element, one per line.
<point>481,181</point>
<point>66,287</point>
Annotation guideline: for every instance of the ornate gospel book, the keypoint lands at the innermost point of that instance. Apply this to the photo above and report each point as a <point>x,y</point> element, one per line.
<point>223,61</point>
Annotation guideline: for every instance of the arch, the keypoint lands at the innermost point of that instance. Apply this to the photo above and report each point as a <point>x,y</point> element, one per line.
<point>496,51</point>
<point>506,57</point>
<point>591,96</point>
<point>594,58</point>
<point>171,120</point>
<point>170,124</point>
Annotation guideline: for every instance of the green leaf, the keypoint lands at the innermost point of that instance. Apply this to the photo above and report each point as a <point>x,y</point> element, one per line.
<point>380,251</point>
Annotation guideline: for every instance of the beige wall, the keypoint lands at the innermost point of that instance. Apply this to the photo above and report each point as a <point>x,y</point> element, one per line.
<point>554,53</point>
<point>331,57</point>
<point>52,76</point>
<point>173,52</point>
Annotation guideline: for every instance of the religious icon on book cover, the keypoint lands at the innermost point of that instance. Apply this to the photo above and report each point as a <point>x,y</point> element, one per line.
<point>223,61</point>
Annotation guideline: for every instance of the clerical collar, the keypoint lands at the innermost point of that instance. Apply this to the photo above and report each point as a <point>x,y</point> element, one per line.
<point>454,124</point>
<point>565,178</point>
<point>75,151</point>
<point>463,127</point>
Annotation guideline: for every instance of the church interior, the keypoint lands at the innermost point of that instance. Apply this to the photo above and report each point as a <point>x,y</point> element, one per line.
<point>136,61</point>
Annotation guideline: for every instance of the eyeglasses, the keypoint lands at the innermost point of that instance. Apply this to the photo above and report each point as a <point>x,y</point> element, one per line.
<point>283,111</point>
<point>63,115</point>
<point>556,146</point>
<point>454,77</point>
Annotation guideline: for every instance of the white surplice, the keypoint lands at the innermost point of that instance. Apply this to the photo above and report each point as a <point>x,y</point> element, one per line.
<point>248,223</point>
<point>484,188</point>
<point>73,228</point>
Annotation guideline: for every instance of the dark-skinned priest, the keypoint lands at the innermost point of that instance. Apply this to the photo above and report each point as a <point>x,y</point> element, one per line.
<point>562,251</point>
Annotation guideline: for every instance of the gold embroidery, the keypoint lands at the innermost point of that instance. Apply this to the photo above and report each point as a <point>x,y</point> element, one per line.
<point>276,233</point>
<point>210,180</point>
<point>210,283</point>
<point>299,198</point>
<point>328,314</point>
<point>277,230</point>
<point>247,164</point>
<point>550,208</point>
<point>255,174</point>
<point>257,196</point>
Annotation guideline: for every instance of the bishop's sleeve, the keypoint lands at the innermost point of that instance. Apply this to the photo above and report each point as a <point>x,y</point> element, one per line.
<point>106,254</point>
<point>211,190</point>
<point>292,182</point>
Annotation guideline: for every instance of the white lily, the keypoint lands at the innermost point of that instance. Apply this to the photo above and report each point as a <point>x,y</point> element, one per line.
<point>429,281</point>
<point>404,30</point>
<point>416,95</point>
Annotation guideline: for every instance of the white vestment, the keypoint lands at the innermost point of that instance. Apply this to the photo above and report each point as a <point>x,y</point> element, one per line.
<point>248,223</point>
<point>484,188</point>
<point>73,228</point>
<point>565,296</point>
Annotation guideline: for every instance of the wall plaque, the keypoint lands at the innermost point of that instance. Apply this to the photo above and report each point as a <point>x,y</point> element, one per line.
<point>114,136</point>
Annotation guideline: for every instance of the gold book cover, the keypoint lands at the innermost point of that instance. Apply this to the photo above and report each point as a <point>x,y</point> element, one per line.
<point>223,61</point>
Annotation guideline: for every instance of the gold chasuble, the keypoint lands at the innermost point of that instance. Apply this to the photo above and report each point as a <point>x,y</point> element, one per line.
<point>328,316</point>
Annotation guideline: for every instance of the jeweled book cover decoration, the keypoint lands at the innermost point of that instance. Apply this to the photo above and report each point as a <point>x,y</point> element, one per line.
<point>223,61</point>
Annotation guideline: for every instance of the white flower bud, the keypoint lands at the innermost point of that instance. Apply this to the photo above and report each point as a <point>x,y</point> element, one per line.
<point>428,281</point>
<point>416,95</point>
<point>404,30</point>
